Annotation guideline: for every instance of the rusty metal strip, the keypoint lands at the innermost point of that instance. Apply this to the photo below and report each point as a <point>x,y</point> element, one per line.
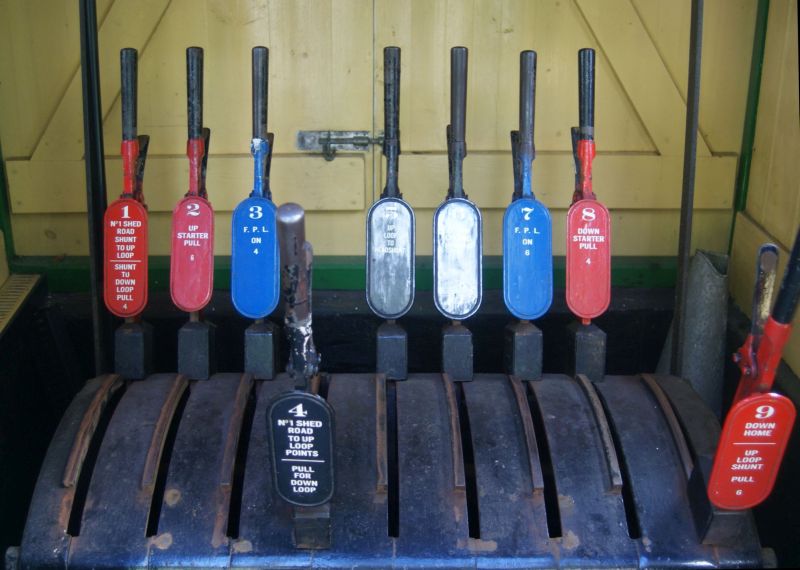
<point>674,425</point>
<point>459,479</point>
<point>83,438</point>
<point>614,471</point>
<point>219,535</point>
<point>534,463</point>
<point>314,383</point>
<point>381,452</point>
<point>235,429</point>
<point>179,386</point>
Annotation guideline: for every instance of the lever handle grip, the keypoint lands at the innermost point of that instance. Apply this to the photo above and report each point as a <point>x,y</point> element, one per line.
<point>458,93</point>
<point>391,92</point>
<point>527,98</point>
<point>260,91</point>
<point>194,91</point>
<point>586,92</point>
<point>128,72</point>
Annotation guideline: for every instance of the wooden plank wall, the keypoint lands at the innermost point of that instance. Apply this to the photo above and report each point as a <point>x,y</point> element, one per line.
<point>326,72</point>
<point>773,202</point>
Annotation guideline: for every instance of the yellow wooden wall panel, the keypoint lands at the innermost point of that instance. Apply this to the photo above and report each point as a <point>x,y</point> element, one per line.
<point>312,182</point>
<point>126,24</point>
<point>773,202</point>
<point>39,56</point>
<point>326,72</point>
<point>726,63</point>
<point>496,31</point>
<point>620,180</point>
<point>641,70</point>
<point>774,191</point>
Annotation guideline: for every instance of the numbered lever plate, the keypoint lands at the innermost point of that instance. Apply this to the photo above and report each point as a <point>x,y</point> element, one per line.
<point>255,271</point>
<point>750,451</point>
<point>125,275</point>
<point>192,264</point>
<point>457,252</point>
<point>390,258</point>
<point>301,436</point>
<point>588,259</point>
<point>527,258</point>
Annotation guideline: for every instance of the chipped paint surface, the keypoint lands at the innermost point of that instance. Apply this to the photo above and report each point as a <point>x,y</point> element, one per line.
<point>162,541</point>
<point>390,258</point>
<point>457,252</point>
<point>477,544</point>
<point>570,541</point>
<point>172,497</point>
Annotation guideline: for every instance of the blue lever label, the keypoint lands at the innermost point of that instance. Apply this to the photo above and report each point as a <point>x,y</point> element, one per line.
<point>255,273</point>
<point>527,258</point>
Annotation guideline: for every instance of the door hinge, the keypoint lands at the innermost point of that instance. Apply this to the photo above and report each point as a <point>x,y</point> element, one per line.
<point>328,142</point>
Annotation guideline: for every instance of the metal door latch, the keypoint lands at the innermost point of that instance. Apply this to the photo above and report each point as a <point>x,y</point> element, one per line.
<point>328,142</point>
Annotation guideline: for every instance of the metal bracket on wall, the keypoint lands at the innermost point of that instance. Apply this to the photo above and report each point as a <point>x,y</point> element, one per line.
<point>328,142</point>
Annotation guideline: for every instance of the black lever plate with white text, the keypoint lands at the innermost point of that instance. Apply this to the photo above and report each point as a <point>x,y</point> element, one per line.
<point>301,436</point>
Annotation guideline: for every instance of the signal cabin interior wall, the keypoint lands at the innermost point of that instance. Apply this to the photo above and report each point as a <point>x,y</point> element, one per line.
<point>326,73</point>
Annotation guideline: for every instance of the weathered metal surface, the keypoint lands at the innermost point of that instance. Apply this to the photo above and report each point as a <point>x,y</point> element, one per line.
<point>265,523</point>
<point>658,485</point>
<point>114,522</point>
<point>194,513</point>
<point>522,350</point>
<point>524,411</point>
<point>91,417</point>
<point>45,541</point>
<point>390,258</point>
<point>381,435</point>
<point>672,421</point>
<point>500,464</point>
<point>259,350</point>
<point>133,350</point>
<point>588,351</point>
<point>197,358</point>
<point>512,513</point>
<point>392,351</point>
<point>592,518</point>
<point>432,511</point>
<point>160,429</point>
<point>357,498</point>
<point>296,260</point>
<point>699,425</point>
<point>457,352</point>
<point>614,471</point>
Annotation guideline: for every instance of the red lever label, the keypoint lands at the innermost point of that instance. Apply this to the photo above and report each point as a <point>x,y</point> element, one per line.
<point>750,451</point>
<point>191,272</point>
<point>588,259</point>
<point>125,272</point>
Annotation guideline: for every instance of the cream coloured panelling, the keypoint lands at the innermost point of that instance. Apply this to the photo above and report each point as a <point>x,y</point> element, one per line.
<point>326,72</point>
<point>773,202</point>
